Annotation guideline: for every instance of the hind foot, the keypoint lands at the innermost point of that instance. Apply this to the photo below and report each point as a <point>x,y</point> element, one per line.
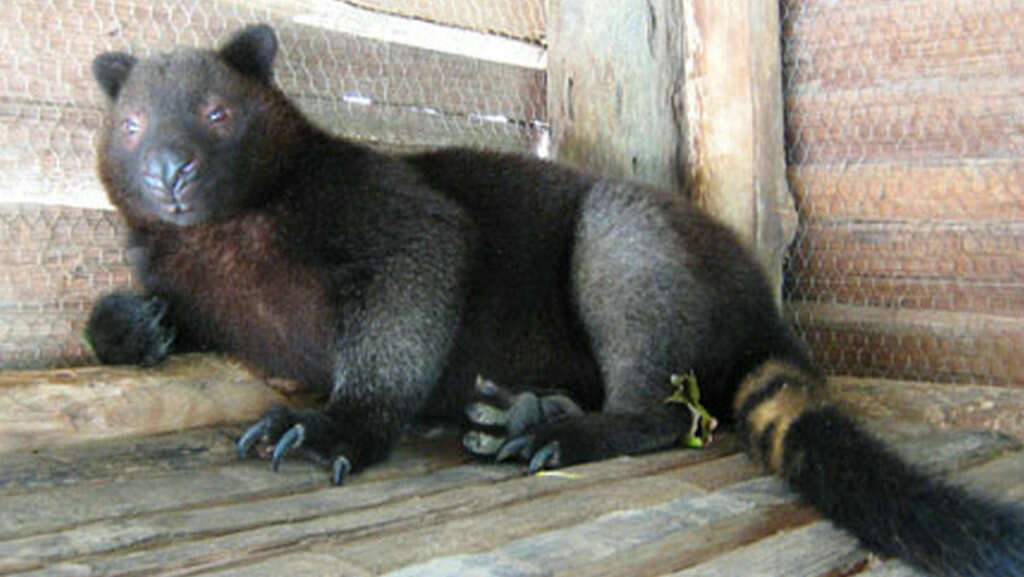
<point>500,420</point>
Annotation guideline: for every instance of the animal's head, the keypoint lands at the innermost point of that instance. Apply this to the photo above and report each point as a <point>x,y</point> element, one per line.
<point>191,135</point>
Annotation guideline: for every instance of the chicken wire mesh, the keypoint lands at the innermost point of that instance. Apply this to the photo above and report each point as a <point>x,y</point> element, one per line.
<point>905,138</point>
<point>360,69</point>
<point>904,142</point>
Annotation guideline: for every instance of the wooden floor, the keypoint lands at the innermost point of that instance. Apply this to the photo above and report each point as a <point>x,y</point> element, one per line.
<point>180,504</point>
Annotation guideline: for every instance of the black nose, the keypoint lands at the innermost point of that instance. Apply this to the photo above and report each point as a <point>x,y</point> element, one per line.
<point>168,171</point>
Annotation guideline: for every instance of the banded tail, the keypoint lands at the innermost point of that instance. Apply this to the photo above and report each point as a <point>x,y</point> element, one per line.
<point>863,487</point>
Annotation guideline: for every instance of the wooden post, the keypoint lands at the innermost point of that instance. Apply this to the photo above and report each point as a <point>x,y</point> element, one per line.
<point>683,94</point>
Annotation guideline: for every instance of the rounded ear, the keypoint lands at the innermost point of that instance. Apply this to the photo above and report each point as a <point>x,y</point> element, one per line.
<point>110,69</point>
<point>252,51</point>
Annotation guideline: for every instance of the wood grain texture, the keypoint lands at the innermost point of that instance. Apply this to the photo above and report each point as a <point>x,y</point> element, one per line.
<point>358,526</point>
<point>44,408</point>
<point>936,346</point>
<point>425,511</point>
<point>958,407</point>
<point>848,44</point>
<point>732,109</point>
<point>965,191</point>
<point>685,95</point>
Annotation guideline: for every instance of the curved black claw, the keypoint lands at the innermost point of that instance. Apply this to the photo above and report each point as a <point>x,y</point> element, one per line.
<point>290,440</point>
<point>251,436</point>
<point>339,469</point>
<point>548,455</point>
<point>515,446</point>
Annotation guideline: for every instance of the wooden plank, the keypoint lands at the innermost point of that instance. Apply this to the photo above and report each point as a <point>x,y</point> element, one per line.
<point>594,483</point>
<point>1002,478</point>
<point>961,406</point>
<point>992,251</point>
<point>45,408</point>
<point>409,516</point>
<point>963,295</point>
<point>928,121</point>
<point>507,538</point>
<point>319,564</point>
<point>95,463</point>
<point>522,19</point>
<point>953,266</point>
<point>893,569</point>
<point>476,535</point>
<point>54,511</point>
<point>764,500</point>
<point>610,534</point>
<point>811,551</point>
<point>836,45</point>
<point>189,470</point>
<point>917,345</point>
<point>967,191</point>
<point>177,522</point>
<point>687,548</point>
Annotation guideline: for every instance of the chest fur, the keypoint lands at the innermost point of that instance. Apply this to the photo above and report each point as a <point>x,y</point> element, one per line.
<point>238,288</point>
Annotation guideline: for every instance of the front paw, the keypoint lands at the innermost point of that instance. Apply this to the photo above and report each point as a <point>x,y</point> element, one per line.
<point>503,424</point>
<point>125,329</point>
<point>311,433</point>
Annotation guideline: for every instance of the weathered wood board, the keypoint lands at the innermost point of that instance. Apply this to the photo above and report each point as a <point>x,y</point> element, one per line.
<point>921,345</point>
<point>46,408</point>
<point>430,511</point>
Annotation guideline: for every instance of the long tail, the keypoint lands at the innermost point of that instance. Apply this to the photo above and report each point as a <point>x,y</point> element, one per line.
<point>863,487</point>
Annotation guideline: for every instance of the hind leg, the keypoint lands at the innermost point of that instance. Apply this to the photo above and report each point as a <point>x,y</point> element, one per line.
<point>644,314</point>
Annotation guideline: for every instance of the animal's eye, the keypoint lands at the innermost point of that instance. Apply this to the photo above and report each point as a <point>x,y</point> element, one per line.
<point>130,126</point>
<point>216,115</point>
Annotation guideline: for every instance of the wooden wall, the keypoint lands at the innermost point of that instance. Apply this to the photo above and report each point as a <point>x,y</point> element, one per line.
<point>401,75</point>
<point>905,133</point>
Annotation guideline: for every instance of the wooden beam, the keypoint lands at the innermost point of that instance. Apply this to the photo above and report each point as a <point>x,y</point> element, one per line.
<point>615,72</point>
<point>733,108</point>
<point>46,408</point>
<point>685,95</point>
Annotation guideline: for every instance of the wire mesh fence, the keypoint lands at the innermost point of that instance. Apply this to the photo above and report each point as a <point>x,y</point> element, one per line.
<point>362,70</point>
<point>905,144</point>
<point>905,138</point>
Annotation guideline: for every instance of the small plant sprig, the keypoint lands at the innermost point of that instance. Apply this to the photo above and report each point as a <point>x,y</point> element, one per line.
<point>686,392</point>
